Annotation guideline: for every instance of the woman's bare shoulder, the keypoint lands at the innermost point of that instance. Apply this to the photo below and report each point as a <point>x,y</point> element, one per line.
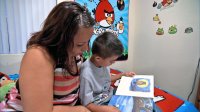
<point>38,53</point>
<point>37,58</point>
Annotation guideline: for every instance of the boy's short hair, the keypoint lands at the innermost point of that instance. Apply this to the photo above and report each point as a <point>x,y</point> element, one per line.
<point>106,45</point>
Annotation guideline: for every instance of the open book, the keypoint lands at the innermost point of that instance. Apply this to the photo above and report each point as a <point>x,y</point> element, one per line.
<point>132,104</point>
<point>138,86</point>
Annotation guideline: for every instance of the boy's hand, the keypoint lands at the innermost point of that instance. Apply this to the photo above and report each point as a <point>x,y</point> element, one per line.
<point>128,74</point>
<point>118,76</point>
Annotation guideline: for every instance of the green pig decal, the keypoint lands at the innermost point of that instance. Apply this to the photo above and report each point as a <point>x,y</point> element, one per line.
<point>160,31</point>
<point>172,29</point>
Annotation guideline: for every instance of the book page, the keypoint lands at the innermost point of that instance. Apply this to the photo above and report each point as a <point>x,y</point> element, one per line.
<point>139,86</point>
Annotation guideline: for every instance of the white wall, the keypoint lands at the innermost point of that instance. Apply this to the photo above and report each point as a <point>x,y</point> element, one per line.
<point>10,63</point>
<point>172,59</point>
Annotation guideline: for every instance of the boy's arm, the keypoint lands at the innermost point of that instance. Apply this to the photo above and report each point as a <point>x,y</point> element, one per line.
<point>101,108</point>
<point>118,76</point>
<point>86,93</point>
<point>115,77</point>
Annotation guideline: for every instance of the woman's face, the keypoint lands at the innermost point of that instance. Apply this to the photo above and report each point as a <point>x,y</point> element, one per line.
<point>81,41</point>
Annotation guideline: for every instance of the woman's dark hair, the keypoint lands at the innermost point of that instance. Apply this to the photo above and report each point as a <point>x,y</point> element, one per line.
<point>106,45</point>
<point>59,30</point>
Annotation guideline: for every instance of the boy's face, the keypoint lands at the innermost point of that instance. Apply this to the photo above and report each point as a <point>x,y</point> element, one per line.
<point>107,61</point>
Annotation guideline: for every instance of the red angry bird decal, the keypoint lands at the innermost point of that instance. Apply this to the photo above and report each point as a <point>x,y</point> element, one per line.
<point>104,13</point>
<point>166,2</point>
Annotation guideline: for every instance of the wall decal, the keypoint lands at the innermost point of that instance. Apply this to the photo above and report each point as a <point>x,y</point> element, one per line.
<point>165,4</point>
<point>172,29</point>
<point>189,30</point>
<point>160,31</point>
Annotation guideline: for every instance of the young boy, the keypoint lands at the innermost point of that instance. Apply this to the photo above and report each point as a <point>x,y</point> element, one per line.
<point>95,79</point>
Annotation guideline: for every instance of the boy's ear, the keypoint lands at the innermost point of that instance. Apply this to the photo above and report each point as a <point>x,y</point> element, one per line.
<point>98,58</point>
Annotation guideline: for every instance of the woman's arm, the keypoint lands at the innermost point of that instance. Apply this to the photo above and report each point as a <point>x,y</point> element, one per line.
<point>70,109</point>
<point>101,108</point>
<point>36,83</point>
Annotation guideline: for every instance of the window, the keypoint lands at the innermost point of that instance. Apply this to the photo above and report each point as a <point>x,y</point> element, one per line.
<point>18,19</point>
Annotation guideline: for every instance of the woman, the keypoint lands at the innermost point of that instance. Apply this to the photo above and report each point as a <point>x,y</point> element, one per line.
<point>49,77</point>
